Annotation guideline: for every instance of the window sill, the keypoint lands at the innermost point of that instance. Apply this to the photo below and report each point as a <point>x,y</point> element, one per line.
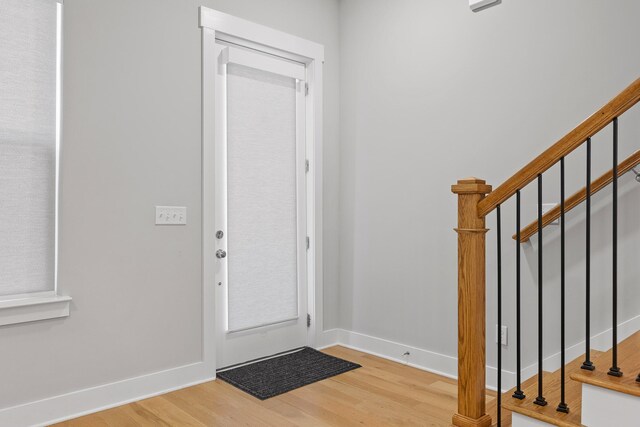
<point>31,308</point>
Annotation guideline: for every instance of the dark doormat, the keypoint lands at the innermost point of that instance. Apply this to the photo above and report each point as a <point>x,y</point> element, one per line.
<point>271,377</point>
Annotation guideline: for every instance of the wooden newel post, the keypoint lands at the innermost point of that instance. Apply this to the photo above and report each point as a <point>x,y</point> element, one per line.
<point>471,305</point>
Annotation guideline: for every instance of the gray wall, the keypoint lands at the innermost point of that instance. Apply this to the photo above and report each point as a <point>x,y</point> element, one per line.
<point>132,122</point>
<point>431,93</point>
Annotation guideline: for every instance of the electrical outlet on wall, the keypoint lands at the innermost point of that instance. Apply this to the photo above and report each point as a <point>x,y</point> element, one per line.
<point>504,335</point>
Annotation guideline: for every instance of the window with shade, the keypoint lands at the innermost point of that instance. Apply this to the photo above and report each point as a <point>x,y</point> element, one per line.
<point>30,88</point>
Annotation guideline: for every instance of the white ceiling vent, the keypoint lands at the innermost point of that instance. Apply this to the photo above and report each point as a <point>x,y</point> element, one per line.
<point>478,5</point>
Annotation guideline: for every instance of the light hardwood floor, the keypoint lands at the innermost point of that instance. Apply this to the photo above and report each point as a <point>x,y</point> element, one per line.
<point>381,393</point>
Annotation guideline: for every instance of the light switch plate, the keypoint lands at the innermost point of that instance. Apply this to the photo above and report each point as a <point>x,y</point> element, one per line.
<point>171,215</point>
<point>504,335</point>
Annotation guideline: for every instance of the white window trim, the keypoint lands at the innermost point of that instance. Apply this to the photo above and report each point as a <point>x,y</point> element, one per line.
<point>36,306</point>
<point>233,30</point>
<point>32,307</point>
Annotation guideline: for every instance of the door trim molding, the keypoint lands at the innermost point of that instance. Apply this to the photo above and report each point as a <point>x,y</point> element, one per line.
<point>224,27</point>
<point>240,31</point>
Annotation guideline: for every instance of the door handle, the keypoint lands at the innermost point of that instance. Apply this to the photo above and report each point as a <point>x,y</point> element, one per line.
<point>221,254</point>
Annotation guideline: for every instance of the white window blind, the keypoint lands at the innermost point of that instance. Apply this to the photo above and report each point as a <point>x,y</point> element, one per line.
<point>261,175</point>
<point>28,144</point>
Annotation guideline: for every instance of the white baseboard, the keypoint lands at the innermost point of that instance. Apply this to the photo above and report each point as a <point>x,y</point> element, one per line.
<point>327,338</point>
<point>603,340</point>
<point>418,358</point>
<point>86,401</point>
<point>447,366</point>
<point>426,360</point>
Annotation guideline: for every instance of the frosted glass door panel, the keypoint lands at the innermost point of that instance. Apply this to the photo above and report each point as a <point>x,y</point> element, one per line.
<point>261,197</point>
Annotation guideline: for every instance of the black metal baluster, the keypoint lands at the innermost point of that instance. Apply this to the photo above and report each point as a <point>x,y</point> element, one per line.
<point>588,364</point>
<point>499,248</point>
<point>562,406</point>
<point>615,370</point>
<point>518,394</point>
<point>540,400</point>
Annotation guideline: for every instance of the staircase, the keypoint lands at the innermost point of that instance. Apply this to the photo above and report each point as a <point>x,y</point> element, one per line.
<point>608,400</point>
<point>583,404</point>
<point>598,389</point>
<point>548,414</point>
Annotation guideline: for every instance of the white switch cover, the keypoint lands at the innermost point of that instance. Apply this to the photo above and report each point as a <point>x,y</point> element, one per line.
<point>171,215</point>
<point>504,335</point>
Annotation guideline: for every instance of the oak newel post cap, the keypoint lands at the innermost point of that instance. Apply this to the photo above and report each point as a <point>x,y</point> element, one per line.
<point>471,185</point>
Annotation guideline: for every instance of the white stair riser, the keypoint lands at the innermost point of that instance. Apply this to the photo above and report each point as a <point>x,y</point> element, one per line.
<point>602,407</point>
<point>519,420</point>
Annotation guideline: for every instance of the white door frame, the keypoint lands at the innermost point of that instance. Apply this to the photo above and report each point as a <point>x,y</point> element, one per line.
<point>221,26</point>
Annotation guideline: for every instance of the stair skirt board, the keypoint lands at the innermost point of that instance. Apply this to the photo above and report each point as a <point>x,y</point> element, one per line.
<point>595,398</point>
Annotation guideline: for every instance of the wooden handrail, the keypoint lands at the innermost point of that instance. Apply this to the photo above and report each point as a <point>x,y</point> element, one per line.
<point>574,200</point>
<point>574,139</point>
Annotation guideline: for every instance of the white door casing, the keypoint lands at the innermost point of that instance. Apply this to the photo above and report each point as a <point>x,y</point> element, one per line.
<point>230,39</point>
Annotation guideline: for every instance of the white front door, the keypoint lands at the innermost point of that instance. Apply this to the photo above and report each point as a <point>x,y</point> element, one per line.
<point>260,218</point>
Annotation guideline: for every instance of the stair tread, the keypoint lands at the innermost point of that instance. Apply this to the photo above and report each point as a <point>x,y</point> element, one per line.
<point>629,363</point>
<point>551,383</point>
